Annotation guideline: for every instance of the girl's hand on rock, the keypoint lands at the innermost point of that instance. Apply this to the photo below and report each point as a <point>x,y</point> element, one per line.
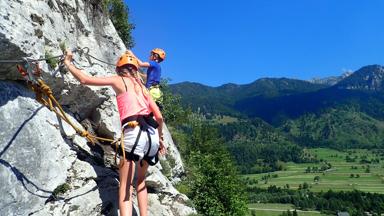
<point>68,56</point>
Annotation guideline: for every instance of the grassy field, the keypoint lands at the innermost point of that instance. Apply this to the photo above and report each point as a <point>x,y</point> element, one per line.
<point>338,177</point>
<point>342,175</point>
<point>274,209</point>
<point>223,119</point>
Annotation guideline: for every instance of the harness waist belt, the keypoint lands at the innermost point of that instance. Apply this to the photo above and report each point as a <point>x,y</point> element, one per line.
<point>144,121</point>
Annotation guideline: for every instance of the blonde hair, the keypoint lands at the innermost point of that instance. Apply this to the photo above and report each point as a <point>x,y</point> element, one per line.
<point>133,75</point>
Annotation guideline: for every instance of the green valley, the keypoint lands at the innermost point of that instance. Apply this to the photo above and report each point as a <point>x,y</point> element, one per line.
<point>315,148</point>
<point>355,169</point>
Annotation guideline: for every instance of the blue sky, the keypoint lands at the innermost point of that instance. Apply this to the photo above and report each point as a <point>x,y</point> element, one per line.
<point>217,42</point>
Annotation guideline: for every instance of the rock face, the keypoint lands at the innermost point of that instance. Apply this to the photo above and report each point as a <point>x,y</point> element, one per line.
<point>332,80</point>
<point>45,168</point>
<point>30,167</point>
<point>369,78</point>
<point>35,29</point>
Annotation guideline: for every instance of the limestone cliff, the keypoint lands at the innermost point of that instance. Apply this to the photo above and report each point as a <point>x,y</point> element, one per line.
<point>45,168</point>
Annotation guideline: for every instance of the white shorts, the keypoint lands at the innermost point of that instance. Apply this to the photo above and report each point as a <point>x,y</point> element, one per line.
<point>130,135</point>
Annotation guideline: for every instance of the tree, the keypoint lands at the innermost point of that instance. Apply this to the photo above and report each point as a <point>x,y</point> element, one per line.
<point>368,169</point>
<point>315,169</point>
<point>216,188</point>
<point>173,112</point>
<point>308,170</point>
<point>316,179</point>
<point>215,185</point>
<point>287,213</point>
<point>253,212</point>
<point>294,213</point>
<point>119,14</point>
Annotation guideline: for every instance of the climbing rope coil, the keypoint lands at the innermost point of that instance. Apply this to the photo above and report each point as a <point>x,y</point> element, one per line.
<point>31,72</point>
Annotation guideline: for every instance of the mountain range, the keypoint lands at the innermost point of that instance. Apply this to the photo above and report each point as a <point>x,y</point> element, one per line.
<point>307,112</point>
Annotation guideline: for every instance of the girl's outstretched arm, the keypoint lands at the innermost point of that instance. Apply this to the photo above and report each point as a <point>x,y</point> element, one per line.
<point>84,78</point>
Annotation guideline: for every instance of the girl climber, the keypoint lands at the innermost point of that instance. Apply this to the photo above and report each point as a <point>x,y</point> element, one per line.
<point>142,141</point>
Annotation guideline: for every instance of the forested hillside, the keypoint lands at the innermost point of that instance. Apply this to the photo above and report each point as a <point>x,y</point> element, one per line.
<point>308,114</point>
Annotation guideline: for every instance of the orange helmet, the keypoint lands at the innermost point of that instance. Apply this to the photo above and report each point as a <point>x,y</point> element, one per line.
<point>127,59</point>
<point>159,52</point>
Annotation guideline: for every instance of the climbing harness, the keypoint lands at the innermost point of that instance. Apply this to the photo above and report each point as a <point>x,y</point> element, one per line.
<point>144,122</point>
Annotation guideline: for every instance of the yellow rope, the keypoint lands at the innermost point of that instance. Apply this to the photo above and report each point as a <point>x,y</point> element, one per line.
<point>44,95</point>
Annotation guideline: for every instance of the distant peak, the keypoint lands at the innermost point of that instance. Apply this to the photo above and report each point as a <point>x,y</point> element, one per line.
<point>369,77</point>
<point>331,80</point>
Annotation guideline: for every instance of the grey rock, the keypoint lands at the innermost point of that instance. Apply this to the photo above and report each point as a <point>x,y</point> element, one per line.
<point>368,78</point>
<point>34,157</point>
<point>38,151</point>
<point>332,80</point>
<point>53,159</point>
<point>173,158</point>
<point>55,20</point>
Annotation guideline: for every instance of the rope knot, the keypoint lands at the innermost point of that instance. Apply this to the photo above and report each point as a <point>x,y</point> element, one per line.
<point>89,136</point>
<point>84,133</point>
<point>47,90</point>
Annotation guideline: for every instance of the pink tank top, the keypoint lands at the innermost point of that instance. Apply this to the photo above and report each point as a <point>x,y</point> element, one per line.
<point>129,103</point>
